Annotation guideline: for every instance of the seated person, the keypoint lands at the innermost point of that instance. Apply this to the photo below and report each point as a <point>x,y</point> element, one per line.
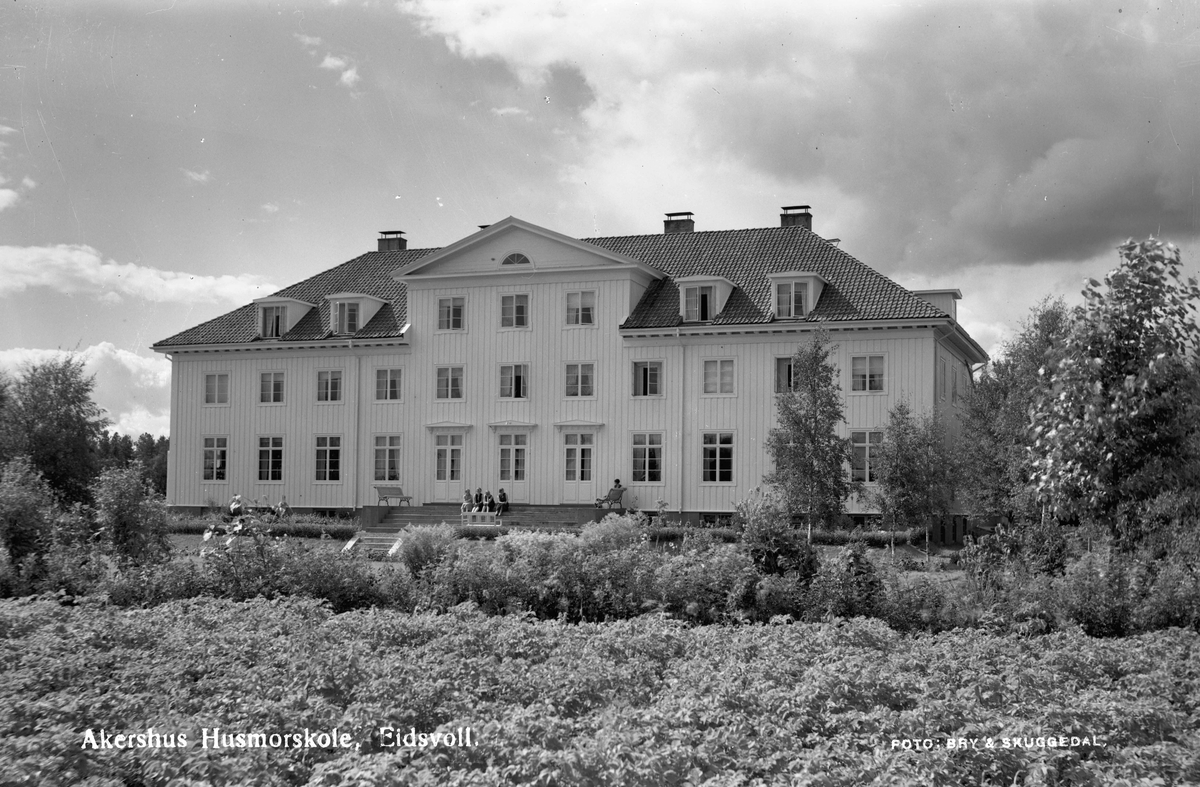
<point>236,507</point>
<point>615,495</point>
<point>501,503</point>
<point>478,499</point>
<point>283,510</point>
<point>468,502</point>
<point>489,502</point>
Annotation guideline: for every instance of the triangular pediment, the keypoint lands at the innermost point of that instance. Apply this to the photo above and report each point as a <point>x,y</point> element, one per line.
<point>514,246</point>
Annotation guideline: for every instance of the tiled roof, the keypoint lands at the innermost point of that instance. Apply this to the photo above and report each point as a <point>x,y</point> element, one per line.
<point>744,257</point>
<point>370,274</point>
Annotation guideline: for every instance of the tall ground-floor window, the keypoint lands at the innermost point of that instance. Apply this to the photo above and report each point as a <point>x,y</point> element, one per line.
<point>215,455</point>
<point>512,456</point>
<point>865,444</point>
<point>448,457</point>
<point>270,459</point>
<point>717,460</point>
<point>329,458</point>
<point>387,457</point>
<point>647,457</point>
<point>577,461</point>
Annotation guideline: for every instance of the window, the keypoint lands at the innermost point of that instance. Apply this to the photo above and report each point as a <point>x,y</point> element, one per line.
<point>784,381</point>
<point>865,444</point>
<point>954,389</point>
<point>345,318</point>
<point>941,381</point>
<point>647,378</point>
<point>329,386</point>
<point>449,457</point>
<point>717,460</point>
<point>577,464</point>
<point>216,389</point>
<point>866,373</point>
<point>512,456</point>
<point>697,303</point>
<point>449,382</point>
<point>450,314</point>
<point>514,381</point>
<point>329,459</point>
<point>387,385</point>
<point>270,389</point>
<point>718,377</point>
<point>274,318</point>
<point>581,308</point>
<point>514,311</point>
<point>387,457</point>
<point>579,379</point>
<point>516,258</point>
<point>647,457</point>
<point>215,456</point>
<point>790,299</point>
<point>270,459</point>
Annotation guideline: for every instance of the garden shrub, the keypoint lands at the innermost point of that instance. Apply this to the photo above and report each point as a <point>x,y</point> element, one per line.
<point>132,518</point>
<point>1095,593</point>
<point>26,506</point>
<point>706,584</point>
<point>779,595</point>
<point>614,531</point>
<point>846,586</point>
<point>426,545</point>
<point>770,538</point>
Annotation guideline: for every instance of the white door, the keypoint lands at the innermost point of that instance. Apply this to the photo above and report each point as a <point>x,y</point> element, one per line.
<point>512,466</point>
<point>448,486</point>
<point>579,485</point>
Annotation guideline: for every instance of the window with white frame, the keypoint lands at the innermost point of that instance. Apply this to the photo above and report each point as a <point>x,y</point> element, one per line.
<point>450,382</point>
<point>941,381</point>
<point>647,457</point>
<point>647,378</point>
<point>516,258</point>
<point>274,320</point>
<point>329,458</point>
<point>784,379</point>
<point>387,457</point>
<point>717,457</point>
<point>718,377</point>
<point>698,303</point>
<point>514,311</point>
<point>954,386</point>
<point>514,381</point>
<point>512,456</point>
<point>451,313</point>
<point>865,445</point>
<point>345,317</point>
<point>448,457</point>
<point>580,379</point>
<point>791,299</point>
<point>270,388</point>
<point>577,456</point>
<point>581,308</point>
<point>866,373</point>
<point>387,385</point>
<point>329,386</point>
<point>216,455</point>
<point>270,459</point>
<point>216,388</point>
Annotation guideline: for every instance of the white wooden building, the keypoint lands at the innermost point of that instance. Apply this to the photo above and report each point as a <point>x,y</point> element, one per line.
<point>521,358</point>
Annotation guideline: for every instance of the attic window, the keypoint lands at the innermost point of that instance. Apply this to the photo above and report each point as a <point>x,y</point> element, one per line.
<point>345,318</point>
<point>791,299</point>
<point>274,318</point>
<point>698,304</point>
<point>516,258</point>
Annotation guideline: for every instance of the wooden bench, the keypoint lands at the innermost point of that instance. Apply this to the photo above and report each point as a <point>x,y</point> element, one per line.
<point>612,500</point>
<point>386,493</point>
<point>480,518</point>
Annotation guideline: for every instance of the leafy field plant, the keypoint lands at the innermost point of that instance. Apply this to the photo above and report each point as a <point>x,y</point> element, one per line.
<point>647,701</point>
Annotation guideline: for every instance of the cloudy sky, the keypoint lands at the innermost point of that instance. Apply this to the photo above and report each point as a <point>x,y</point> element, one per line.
<point>163,162</point>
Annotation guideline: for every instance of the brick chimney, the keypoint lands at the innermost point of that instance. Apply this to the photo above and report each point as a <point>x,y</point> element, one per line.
<point>678,222</point>
<point>796,216</point>
<point>392,240</point>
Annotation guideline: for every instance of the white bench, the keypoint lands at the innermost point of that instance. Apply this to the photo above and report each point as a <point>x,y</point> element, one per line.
<point>387,492</point>
<point>480,518</point>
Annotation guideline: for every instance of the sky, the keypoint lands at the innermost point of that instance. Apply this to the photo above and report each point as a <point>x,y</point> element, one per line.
<point>164,162</point>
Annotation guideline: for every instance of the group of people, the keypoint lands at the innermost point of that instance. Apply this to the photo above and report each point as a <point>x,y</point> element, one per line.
<point>483,501</point>
<point>239,508</point>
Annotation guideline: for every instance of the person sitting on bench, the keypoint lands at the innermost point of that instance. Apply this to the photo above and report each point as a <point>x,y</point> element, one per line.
<point>478,499</point>
<point>467,503</point>
<point>489,502</point>
<point>614,496</point>
<point>501,503</point>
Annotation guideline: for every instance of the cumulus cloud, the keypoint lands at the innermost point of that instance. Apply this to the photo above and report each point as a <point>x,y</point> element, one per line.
<point>134,390</point>
<point>333,63</point>
<point>503,111</point>
<point>28,182</point>
<point>78,270</point>
<point>270,207</point>
<point>196,177</point>
<point>930,136</point>
<point>308,41</point>
<point>349,76</point>
<point>8,198</point>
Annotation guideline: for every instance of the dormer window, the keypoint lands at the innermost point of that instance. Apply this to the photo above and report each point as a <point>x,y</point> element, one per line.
<point>791,300</point>
<point>345,318</point>
<point>274,321</point>
<point>698,304</point>
<point>516,258</point>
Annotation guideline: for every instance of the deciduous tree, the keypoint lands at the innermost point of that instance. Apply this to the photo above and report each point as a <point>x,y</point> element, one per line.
<point>914,470</point>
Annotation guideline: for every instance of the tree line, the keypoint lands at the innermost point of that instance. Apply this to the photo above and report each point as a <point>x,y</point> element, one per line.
<point>1089,415</point>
